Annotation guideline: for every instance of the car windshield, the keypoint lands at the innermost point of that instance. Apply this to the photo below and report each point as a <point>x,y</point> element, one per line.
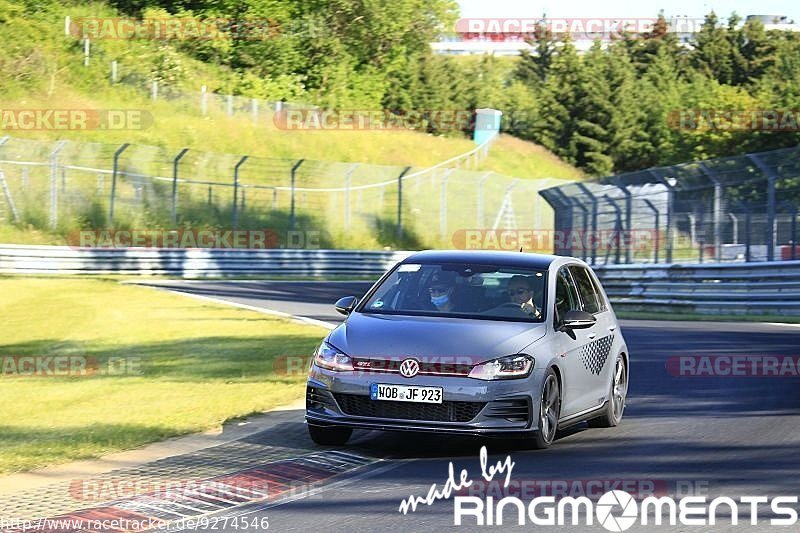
<point>461,290</point>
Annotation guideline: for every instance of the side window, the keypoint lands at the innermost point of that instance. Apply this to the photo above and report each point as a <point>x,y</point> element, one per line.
<point>566,294</point>
<point>592,301</point>
<point>600,298</point>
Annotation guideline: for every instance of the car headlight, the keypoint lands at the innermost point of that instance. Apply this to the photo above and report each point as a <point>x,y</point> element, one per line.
<point>509,367</point>
<point>330,358</point>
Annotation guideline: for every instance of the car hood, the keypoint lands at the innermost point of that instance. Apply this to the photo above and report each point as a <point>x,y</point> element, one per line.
<point>396,337</point>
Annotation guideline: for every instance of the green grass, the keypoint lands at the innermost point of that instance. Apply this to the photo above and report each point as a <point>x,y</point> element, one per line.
<point>522,159</point>
<point>201,364</point>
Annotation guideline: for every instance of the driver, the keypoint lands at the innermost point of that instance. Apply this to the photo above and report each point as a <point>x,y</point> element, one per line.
<point>520,292</point>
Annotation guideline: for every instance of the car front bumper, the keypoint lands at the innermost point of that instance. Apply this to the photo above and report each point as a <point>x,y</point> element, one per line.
<point>469,406</point>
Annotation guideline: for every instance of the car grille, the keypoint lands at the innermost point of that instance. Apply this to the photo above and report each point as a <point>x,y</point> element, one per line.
<point>358,405</point>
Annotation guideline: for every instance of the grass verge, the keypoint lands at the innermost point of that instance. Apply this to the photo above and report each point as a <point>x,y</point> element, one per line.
<point>193,366</point>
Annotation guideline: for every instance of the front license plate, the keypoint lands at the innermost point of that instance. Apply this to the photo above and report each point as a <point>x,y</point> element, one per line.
<point>405,393</point>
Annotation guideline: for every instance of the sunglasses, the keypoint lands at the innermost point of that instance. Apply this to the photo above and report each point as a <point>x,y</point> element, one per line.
<point>518,292</point>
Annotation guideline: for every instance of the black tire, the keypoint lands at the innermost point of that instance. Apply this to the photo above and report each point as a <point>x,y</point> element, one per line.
<point>329,436</point>
<point>549,411</point>
<point>615,407</point>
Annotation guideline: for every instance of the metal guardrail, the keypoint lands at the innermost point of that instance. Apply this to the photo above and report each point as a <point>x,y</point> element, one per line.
<point>194,262</point>
<point>744,288</point>
<point>731,289</point>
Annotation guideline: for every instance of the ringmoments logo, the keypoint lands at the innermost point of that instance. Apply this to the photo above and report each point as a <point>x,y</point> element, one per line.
<point>616,510</point>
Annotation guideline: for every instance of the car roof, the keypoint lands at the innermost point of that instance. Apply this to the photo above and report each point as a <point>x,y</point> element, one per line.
<point>485,257</point>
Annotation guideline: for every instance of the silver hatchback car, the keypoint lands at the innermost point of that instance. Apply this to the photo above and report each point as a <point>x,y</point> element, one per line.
<point>483,343</point>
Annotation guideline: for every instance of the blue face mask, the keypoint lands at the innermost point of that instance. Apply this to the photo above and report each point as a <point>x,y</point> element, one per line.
<point>439,301</point>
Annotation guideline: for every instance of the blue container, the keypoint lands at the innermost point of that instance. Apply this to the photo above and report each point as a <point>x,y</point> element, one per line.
<point>487,124</point>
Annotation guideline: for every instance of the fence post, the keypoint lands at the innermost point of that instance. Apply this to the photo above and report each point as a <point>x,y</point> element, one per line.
<point>175,163</point>
<point>617,230</point>
<point>7,194</point>
<point>771,177</point>
<point>669,183</point>
<point>54,183</point>
<point>400,202</point>
<point>254,109</point>
<point>154,90</point>
<point>203,100</point>
<point>595,239</point>
<point>735,220</point>
<point>794,232</point>
<point>114,71</point>
<point>717,210</point>
<point>86,51</point>
<point>235,220</point>
<point>649,204</point>
<point>347,180</point>
<point>584,227</point>
<point>230,105</point>
<point>628,217</point>
<point>114,173</point>
<point>291,200</point>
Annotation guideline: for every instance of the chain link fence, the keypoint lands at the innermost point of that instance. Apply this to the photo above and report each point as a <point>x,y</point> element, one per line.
<point>742,208</point>
<point>65,187</point>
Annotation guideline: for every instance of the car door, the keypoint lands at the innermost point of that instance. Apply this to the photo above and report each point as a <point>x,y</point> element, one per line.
<point>569,346</point>
<point>595,356</point>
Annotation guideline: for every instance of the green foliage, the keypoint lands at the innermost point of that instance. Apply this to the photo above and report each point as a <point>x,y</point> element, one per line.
<point>618,106</point>
<point>608,110</point>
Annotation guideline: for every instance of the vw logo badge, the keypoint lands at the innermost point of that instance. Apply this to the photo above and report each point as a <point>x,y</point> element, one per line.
<point>409,368</point>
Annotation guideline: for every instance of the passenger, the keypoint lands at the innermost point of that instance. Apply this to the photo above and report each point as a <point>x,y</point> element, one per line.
<point>441,290</point>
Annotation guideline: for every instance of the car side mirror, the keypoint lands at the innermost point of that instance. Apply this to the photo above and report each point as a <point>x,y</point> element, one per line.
<point>346,305</point>
<point>574,319</point>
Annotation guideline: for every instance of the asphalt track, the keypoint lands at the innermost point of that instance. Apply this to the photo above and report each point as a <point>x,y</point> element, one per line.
<point>720,436</point>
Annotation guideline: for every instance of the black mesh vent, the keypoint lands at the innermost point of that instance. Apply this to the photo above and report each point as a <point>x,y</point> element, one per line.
<point>318,399</point>
<point>357,405</point>
<point>512,410</point>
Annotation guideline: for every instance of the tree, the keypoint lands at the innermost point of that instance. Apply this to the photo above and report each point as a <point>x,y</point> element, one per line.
<point>534,67</point>
<point>593,110</point>
<point>713,53</point>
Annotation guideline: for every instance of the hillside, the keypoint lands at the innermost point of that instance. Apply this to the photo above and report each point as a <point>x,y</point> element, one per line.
<point>45,71</point>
